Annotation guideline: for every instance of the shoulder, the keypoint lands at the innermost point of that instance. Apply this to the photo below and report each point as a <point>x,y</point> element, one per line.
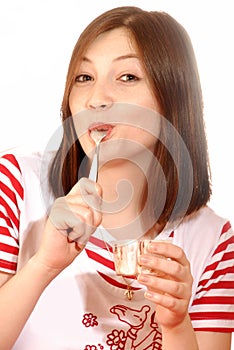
<point>202,236</point>
<point>206,232</point>
<point>10,177</point>
<point>205,218</point>
<point>9,165</point>
<point>25,163</point>
<point>213,272</point>
<point>203,231</point>
<point>28,172</point>
<point>204,226</point>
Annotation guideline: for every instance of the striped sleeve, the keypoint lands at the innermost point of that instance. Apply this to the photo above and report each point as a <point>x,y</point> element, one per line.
<point>213,305</point>
<point>11,199</point>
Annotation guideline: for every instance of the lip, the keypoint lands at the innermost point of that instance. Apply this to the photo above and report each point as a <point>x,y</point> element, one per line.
<point>101,126</point>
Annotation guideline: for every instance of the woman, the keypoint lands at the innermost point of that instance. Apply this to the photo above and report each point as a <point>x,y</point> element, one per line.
<point>132,74</point>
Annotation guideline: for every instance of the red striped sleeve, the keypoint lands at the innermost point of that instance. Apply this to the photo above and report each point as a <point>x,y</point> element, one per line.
<point>213,306</point>
<point>10,214</point>
<point>8,266</point>
<point>15,182</point>
<point>4,229</point>
<point>11,196</point>
<point>8,248</point>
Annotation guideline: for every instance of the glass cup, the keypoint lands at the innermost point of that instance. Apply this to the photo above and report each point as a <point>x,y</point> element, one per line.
<point>126,254</point>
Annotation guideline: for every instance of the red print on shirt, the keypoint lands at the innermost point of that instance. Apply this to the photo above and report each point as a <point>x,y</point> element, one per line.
<point>89,320</point>
<point>142,332</point>
<point>136,337</point>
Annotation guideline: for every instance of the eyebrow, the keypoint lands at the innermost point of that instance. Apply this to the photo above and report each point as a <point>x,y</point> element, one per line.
<point>119,58</point>
<point>124,57</point>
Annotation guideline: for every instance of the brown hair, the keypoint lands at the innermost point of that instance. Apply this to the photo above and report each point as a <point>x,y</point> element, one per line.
<point>169,61</point>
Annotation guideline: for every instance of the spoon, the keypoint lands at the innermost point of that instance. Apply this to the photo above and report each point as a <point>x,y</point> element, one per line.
<point>97,136</point>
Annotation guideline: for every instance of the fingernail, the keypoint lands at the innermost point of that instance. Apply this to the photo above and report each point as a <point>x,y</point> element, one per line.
<point>143,260</point>
<point>149,295</point>
<point>143,278</point>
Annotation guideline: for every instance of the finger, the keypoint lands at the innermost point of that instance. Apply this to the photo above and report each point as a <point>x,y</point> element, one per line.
<point>71,215</point>
<point>91,202</point>
<point>94,208</point>
<point>75,200</point>
<point>66,207</point>
<point>87,192</point>
<point>165,267</point>
<point>168,250</point>
<point>84,224</point>
<point>86,217</point>
<point>86,186</point>
<point>176,289</point>
<point>65,217</point>
<point>167,301</point>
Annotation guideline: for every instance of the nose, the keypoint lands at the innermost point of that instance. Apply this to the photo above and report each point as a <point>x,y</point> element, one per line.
<point>100,107</point>
<point>100,98</point>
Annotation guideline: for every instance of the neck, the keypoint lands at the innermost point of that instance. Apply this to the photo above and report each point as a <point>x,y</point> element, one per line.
<point>125,194</point>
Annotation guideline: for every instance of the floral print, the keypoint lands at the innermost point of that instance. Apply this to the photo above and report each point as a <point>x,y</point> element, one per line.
<point>116,340</point>
<point>89,320</point>
<point>142,330</point>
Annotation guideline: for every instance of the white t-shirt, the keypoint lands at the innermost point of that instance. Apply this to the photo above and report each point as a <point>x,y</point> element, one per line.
<point>85,307</point>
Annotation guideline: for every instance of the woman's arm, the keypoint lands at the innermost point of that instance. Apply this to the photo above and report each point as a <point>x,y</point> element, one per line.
<point>169,287</point>
<point>214,340</point>
<point>180,337</point>
<point>18,296</point>
<point>184,337</point>
<point>20,293</point>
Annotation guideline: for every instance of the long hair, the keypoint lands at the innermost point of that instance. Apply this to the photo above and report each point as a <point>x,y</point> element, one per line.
<point>168,58</point>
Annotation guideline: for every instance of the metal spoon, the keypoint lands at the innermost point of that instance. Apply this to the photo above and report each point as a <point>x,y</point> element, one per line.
<point>97,136</point>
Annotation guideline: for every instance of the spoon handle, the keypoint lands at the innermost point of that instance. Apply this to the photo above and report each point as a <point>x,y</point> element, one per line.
<point>93,174</point>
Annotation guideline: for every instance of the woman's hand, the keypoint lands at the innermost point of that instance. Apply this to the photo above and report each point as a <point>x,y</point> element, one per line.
<point>169,284</point>
<point>72,220</point>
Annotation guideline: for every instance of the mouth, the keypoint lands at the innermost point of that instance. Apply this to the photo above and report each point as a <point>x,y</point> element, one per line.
<point>101,127</point>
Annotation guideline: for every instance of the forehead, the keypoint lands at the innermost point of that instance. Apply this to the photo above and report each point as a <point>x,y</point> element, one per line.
<point>115,42</point>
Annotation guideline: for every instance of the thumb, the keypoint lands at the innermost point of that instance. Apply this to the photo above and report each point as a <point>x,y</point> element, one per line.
<point>86,186</point>
<point>89,191</point>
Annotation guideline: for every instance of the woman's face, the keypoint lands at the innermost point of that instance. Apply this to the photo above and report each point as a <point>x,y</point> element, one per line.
<point>111,72</point>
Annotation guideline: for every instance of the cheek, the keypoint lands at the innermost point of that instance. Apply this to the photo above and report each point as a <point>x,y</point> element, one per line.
<point>148,100</point>
<point>71,102</point>
<point>74,102</point>
<point>143,134</point>
<point>152,104</point>
<point>87,146</point>
<point>147,140</point>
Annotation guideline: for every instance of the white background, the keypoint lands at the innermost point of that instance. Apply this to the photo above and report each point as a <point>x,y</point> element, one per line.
<point>37,38</point>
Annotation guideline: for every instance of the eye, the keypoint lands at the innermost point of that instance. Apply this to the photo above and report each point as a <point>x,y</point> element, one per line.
<point>128,78</point>
<point>82,78</point>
